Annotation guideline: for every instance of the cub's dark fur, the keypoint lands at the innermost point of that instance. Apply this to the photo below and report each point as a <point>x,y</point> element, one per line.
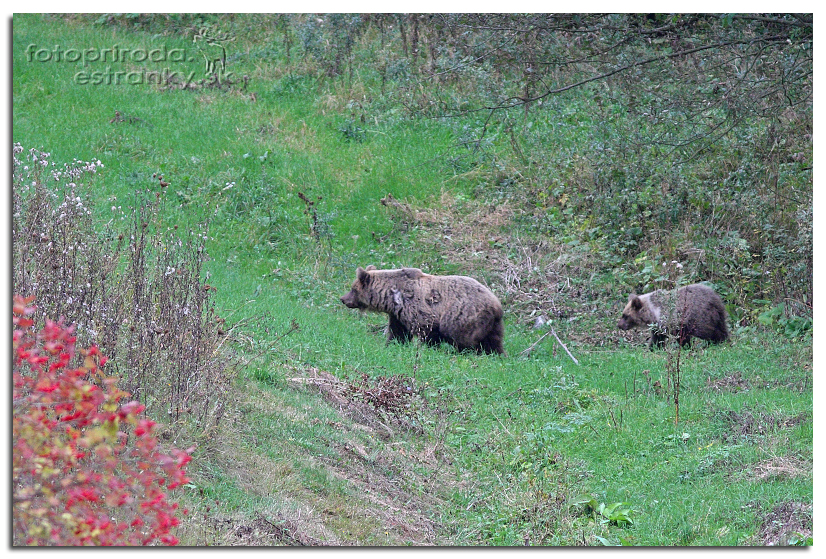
<point>454,309</point>
<point>691,311</point>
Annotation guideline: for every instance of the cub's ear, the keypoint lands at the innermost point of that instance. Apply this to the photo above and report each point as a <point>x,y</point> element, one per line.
<point>362,275</point>
<point>636,302</point>
<point>370,267</point>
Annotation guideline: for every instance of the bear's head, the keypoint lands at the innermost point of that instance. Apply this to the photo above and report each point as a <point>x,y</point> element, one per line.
<point>631,314</point>
<point>381,290</point>
<point>355,297</point>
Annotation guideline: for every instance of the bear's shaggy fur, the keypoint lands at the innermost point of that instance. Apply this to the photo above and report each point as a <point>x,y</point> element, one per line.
<point>694,310</point>
<point>454,309</point>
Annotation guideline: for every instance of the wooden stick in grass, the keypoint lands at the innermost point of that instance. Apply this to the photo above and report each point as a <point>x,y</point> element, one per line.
<point>527,351</point>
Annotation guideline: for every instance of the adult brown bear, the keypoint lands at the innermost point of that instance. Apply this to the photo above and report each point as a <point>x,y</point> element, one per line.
<point>454,309</point>
<point>694,310</point>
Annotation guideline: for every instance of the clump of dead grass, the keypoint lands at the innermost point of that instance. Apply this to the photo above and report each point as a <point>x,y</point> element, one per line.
<point>779,467</point>
<point>729,383</point>
<point>383,404</point>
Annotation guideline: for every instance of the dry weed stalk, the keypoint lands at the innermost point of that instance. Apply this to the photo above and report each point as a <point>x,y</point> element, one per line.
<point>132,287</point>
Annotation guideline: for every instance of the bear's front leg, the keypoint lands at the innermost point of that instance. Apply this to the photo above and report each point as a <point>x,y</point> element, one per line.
<point>657,340</point>
<point>397,331</point>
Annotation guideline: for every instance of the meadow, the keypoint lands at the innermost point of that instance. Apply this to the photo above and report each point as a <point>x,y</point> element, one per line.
<point>272,186</point>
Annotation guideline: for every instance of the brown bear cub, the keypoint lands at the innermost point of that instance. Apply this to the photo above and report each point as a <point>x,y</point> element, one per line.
<point>694,310</point>
<point>454,309</point>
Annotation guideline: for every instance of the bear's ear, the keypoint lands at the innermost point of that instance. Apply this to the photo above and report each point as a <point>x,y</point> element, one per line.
<point>370,267</point>
<point>636,302</point>
<point>362,276</point>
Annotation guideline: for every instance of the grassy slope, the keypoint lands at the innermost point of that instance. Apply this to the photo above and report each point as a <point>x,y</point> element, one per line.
<point>505,442</point>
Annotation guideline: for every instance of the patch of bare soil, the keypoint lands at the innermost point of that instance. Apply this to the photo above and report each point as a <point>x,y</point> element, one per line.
<point>787,521</point>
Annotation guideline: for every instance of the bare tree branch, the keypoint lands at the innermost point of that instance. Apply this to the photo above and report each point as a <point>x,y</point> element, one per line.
<point>517,101</point>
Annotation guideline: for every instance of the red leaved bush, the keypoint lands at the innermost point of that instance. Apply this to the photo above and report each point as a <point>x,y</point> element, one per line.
<point>87,469</point>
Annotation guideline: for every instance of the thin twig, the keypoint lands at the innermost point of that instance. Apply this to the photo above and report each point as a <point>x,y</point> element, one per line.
<point>502,424</point>
<point>563,346</point>
<point>527,351</point>
<point>517,101</point>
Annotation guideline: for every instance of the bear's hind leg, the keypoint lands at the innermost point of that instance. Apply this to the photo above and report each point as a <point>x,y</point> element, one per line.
<point>492,342</point>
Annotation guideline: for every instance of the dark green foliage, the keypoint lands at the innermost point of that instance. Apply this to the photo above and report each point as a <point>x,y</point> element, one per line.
<point>351,131</point>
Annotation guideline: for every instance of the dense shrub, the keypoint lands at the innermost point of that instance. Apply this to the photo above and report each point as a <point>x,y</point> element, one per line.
<point>86,468</point>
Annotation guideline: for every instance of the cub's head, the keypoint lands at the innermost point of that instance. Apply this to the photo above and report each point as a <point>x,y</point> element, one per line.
<point>355,298</point>
<point>631,314</point>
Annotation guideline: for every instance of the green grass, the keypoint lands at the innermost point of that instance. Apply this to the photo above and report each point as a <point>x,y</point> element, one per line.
<point>517,437</point>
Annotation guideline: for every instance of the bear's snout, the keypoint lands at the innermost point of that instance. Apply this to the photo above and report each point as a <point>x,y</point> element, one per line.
<point>350,300</point>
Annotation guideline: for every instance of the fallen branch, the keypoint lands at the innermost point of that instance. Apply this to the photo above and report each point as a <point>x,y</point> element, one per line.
<point>528,350</point>
<point>563,346</point>
<point>502,424</point>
